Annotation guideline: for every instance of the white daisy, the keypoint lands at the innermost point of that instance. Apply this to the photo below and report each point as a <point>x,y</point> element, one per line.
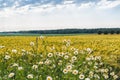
<point>75,72</point>
<point>49,78</point>
<point>81,76</point>
<point>11,75</point>
<point>30,76</point>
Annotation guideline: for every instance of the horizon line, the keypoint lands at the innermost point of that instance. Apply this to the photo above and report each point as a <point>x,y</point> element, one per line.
<point>56,29</point>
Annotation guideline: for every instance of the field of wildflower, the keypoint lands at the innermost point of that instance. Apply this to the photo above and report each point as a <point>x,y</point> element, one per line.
<point>81,57</point>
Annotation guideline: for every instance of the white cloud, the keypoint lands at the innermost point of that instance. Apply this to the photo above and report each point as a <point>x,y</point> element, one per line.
<point>48,8</point>
<point>87,5</point>
<point>68,15</point>
<point>12,11</point>
<point>68,2</point>
<point>22,10</point>
<point>16,4</point>
<point>4,4</point>
<point>105,4</point>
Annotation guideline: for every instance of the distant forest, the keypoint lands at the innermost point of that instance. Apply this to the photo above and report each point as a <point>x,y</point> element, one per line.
<point>73,31</point>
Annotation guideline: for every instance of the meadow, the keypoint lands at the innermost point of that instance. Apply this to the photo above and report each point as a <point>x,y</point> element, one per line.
<point>63,57</point>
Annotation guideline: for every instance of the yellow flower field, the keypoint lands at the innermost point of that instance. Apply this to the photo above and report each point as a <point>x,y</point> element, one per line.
<point>80,57</point>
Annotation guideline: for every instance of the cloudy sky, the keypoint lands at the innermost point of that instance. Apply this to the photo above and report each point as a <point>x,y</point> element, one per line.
<point>58,14</point>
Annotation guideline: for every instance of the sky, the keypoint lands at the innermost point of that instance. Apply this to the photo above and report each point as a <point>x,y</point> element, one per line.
<point>18,15</point>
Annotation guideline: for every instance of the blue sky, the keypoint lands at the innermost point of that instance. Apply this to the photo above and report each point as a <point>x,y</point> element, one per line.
<point>58,14</point>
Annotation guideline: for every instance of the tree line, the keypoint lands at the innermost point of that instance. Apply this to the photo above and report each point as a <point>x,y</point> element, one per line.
<point>109,32</point>
<point>74,31</point>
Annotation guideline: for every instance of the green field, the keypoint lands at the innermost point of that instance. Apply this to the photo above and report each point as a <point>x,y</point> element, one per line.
<point>59,57</point>
<point>30,34</point>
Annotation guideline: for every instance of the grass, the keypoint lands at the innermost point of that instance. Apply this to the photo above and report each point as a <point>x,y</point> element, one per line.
<point>76,57</point>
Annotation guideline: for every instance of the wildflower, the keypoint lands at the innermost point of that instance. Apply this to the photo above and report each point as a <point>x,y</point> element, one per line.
<point>14,50</point>
<point>41,55</point>
<point>76,52</point>
<point>97,76</point>
<point>34,66</point>
<point>41,37</point>
<point>89,50</point>
<point>64,40</point>
<point>52,48</point>
<point>110,68</point>
<point>15,65</point>
<point>59,63</point>
<point>54,65</point>
<point>112,73</point>
<point>87,78</point>
<point>88,59</point>
<point>75,72</point>
<point>2,47</point>
<point>30,76</point>
<point>95,67</point>
<point>101,63</point>
<point>61,54</point>
<point>101,70</point>
<point>23,50</point>
<point>68,44</point>
<point>32,43</point>
<point>115,77</point>
<point>106,70</point>
<point>81,76</point>
<point>69,40</point>
<point>65,71</point>
<point>47,62</point>
<point>82,52</point>
<point>11,75</point>
<point>92,57</point>
<point>50,54</point>
<point>41,62</point>
<point>74,58</point>
<point>66,57</point>
<point>66,53</point>
<point>49,78</point>
<point>72,48</point>
<point>72,61</point>
<point>96,63</point>
<point>7,57</point>
<point>106,76</point>
<point>89,63</point>
<point>20,68</point>
<point>69,67</point>
<point>91,74</point>
<point>98,57</point>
